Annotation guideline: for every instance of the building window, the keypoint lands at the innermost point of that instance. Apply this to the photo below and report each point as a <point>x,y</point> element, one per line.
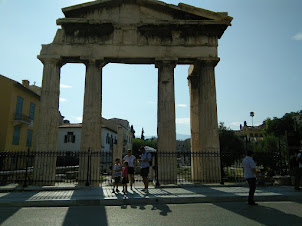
<point>251,135</point>
<point>69,138</point>
<point>29,138</point>
<point>107,139</point>
<point>16,136</point>
<point>256,134</point>
<point>32,111</point>
<point>19,107</point>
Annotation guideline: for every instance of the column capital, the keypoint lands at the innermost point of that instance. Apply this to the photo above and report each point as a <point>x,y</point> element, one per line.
<point>211,61</point>
<point>51,59</point>
<point>199,63</point>
<point>98,62</point>
<point>159,62</point>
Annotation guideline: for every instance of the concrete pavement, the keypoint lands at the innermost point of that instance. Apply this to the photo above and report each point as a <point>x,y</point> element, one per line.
<point>92,196</point>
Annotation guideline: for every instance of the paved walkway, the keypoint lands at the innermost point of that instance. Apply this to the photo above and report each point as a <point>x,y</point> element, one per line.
<point>84,196</point>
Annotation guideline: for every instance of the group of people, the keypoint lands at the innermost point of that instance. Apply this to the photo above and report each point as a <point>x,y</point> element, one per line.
<point>126,172</point>
<point>129,161</point>
<point>250,172</point>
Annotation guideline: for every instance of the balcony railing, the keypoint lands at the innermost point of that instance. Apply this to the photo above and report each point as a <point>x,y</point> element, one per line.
<point>22,118</point>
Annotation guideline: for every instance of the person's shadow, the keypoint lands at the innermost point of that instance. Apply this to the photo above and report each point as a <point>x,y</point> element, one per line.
<point>163,208</point>
<point>266,215</point>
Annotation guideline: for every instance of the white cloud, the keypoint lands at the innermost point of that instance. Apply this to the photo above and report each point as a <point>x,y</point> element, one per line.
<point>183,121</point>
<point>298,36</point>
<point>77,118</point>
<point>65,86</point>
<point>63,99</point>
<point>181,105</point>
<point>257,123</point>
<point>235,123</point>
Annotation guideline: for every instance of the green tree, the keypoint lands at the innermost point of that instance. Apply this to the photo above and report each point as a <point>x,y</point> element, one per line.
<point>229,141</point>
<point>137,143</point>
<point>270,144</point>
<point>231,145</point>
<point>278,126</point>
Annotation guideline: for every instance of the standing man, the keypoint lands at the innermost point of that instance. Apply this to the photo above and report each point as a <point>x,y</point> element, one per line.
<point>299,171</point>
<point>249,168</point>
<point>145,159</point>
<point>131,163</point>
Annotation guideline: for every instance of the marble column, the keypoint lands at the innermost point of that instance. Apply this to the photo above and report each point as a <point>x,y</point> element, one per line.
<point>166,132</point>
<point>204,125</point>
<point>193,81</point>
<point>89,169</point>
<point>47,131</point>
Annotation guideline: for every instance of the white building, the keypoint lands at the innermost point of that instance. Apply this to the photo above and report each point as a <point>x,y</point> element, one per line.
<point>69,136</point>
<point>116,139</point>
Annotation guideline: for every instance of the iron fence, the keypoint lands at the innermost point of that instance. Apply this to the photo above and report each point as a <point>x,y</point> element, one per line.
<point>229,166</point>
<point>179,168</point>
<point>19,167</point>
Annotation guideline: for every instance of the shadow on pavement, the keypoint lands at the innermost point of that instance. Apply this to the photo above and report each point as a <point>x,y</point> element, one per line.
<point>7,212</point>
<point>263,214</point>
<point>162,208</point>
<point>92,215</point>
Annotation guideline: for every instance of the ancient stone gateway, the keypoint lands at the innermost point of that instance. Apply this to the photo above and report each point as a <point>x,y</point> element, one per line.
<point>135,32</point>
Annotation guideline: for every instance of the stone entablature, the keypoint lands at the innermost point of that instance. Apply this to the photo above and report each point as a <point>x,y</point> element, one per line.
<point>119,31</point>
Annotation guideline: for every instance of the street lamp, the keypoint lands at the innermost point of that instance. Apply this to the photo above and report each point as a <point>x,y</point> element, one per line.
<point>252,115</point>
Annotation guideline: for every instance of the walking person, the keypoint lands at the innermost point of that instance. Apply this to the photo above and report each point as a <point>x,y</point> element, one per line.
<point>145,159</point>
<point>125,179</point>
<point>117,174</point>
<point>249,168</point>
<point>131,163</point>
<point>298,171</point>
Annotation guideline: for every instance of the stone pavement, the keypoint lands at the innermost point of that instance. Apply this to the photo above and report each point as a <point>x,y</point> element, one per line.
<point>91,196</point>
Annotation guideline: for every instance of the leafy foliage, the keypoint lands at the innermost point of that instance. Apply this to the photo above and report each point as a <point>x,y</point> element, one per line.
<point>229,141</point>
<point>278,126</point>
<point>231,145</point>
<point>137,143</point>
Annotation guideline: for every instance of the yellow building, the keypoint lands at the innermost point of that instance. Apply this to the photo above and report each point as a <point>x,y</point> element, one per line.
<point>18,115</point>
<point>253,133</point>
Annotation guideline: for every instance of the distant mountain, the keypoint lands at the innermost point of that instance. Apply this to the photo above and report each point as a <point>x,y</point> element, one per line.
<point>182,136</point>
<point>178,136</point>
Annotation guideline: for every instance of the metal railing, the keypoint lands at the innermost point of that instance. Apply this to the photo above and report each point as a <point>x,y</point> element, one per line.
<point>209,163</point>
<point>177,167</point>
<point>22,118</point>
<point>19,167</point>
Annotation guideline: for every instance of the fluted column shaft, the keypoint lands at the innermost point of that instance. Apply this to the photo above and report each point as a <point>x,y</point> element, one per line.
<point>91,125</point>
<point>166,123</point>
<point>46,141</point>
<point>204,125</point>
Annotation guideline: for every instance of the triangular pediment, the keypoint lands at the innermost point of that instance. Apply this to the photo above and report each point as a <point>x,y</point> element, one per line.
<point>140,11</point>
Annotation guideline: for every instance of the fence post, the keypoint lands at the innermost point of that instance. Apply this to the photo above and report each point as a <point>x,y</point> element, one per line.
<point>26,166</point>
<point>88,163</point>
<point>280,157</point>
<point>221,168</point>
<point>156,170</point>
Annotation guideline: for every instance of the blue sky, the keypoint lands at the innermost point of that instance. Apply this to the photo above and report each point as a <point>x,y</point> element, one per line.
<point>260,68</point>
